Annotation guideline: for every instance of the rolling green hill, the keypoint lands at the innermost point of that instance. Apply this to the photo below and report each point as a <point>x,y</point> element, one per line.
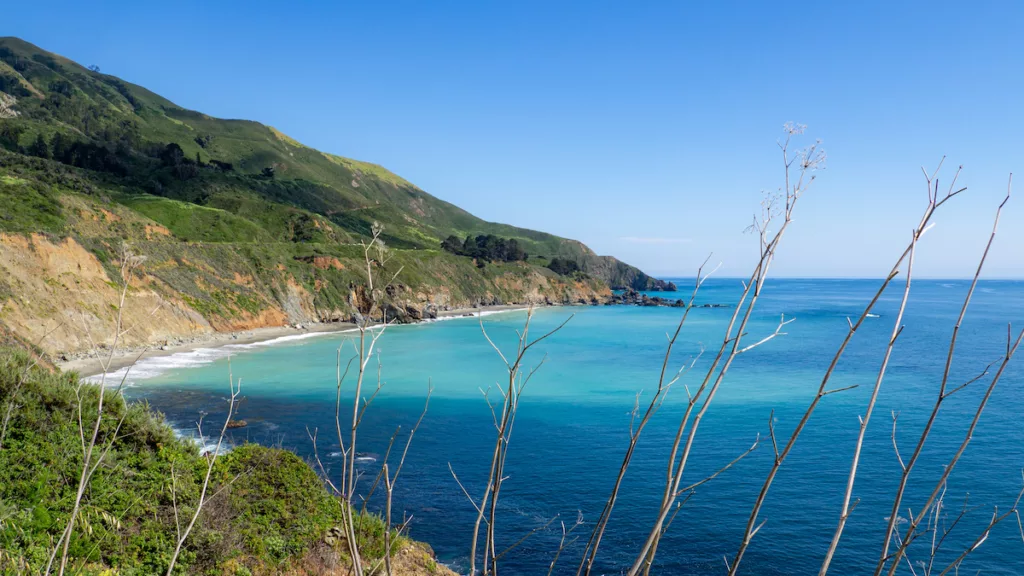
<point>89,157</point>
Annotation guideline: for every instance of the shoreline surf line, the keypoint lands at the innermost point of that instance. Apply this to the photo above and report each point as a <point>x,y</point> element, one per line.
<point>140,364</point>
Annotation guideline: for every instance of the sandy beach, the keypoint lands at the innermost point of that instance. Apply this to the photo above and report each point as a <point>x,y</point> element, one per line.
<point>91,363</point>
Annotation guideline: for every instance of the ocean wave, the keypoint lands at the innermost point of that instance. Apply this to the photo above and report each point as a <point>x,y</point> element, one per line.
<point>285,339</point>
<point>153,366</point>
<point>360,458</point>
<point>156,365</point>
<point>470,315</point>
<point>206,445</point>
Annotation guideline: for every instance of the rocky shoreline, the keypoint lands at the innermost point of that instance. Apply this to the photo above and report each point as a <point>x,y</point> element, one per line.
<point>91,362</point>
<point>634,298</point>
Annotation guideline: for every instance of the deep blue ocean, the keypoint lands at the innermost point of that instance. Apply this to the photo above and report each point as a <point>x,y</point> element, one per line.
<point>573,424</point>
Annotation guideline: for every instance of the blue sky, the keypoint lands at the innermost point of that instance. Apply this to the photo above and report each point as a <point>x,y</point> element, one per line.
<point>646,130</point>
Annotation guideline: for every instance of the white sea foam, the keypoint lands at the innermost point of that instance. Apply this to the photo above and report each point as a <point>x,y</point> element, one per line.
<point>156,365</point>
<point>470,315</point>
<point>210,447</point>
<point>361,459</point>
<point>206,445</point>
<point>493,312</point>
<point>285,339</point>
<point>150,367</point>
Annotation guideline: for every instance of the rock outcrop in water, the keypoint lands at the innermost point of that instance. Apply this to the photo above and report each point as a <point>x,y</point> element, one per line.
<point>635,298</point>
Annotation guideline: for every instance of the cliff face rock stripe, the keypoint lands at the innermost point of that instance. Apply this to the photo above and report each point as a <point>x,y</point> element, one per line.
<point>59,283</point>
<point>59,288</point>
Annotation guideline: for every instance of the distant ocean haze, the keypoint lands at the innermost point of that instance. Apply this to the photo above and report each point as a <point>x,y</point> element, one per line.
<point>573,424</point>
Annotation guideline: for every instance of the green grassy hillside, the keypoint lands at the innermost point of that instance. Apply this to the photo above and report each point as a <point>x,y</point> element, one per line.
<point>270,513</point>
<point>265,184</point>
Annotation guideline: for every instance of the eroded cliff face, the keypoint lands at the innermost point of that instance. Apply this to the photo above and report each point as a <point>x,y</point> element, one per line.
<point>59,295</point>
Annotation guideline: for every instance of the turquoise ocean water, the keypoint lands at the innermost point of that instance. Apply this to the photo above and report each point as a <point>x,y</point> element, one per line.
<point>574,419</point>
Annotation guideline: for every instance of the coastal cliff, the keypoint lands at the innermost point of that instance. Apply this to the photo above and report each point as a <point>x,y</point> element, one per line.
<point>63,297</point>
<point>239,225</point>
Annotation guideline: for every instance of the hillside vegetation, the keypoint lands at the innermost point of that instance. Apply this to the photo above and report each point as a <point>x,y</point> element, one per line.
<point>270,514</point>
<point>242,225</point>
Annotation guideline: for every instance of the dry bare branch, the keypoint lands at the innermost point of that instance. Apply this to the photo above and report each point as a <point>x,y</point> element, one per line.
<point>511,391</point>
<point>996,519</point>
<point>129,262</point>
<point>752,522</point>
<point>944,393</point>
<point>910,534</point>
<point>562,544</point>
<point>590,553</point>
<point>809,161</point>
<point>211,458</point>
